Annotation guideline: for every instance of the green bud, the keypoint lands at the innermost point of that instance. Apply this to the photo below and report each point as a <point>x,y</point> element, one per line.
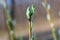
<point>32,8</point>
<point>28,12</point>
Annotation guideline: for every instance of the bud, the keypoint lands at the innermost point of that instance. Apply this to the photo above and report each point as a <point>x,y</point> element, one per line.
<point>48,16</point>
<point>43,4</point>
<point>59,13</point>
<point>27,12</point>
<point>30,12</point>
<point>52,24</point>
<point>48,6</point>
<point>3,3</point>
<point>33,8</point>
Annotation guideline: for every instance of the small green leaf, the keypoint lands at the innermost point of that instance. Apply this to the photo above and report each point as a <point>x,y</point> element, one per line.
<point>28,12</point>
<point>43,4</point>
<point>32,8</point>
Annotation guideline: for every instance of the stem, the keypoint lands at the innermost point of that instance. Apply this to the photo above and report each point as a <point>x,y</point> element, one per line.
<point>51,23</point>
<point>30,29</point>
<point>9,23</point>
<point>52,26</point>
<point>12,18</point>
<point>53,33</point>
